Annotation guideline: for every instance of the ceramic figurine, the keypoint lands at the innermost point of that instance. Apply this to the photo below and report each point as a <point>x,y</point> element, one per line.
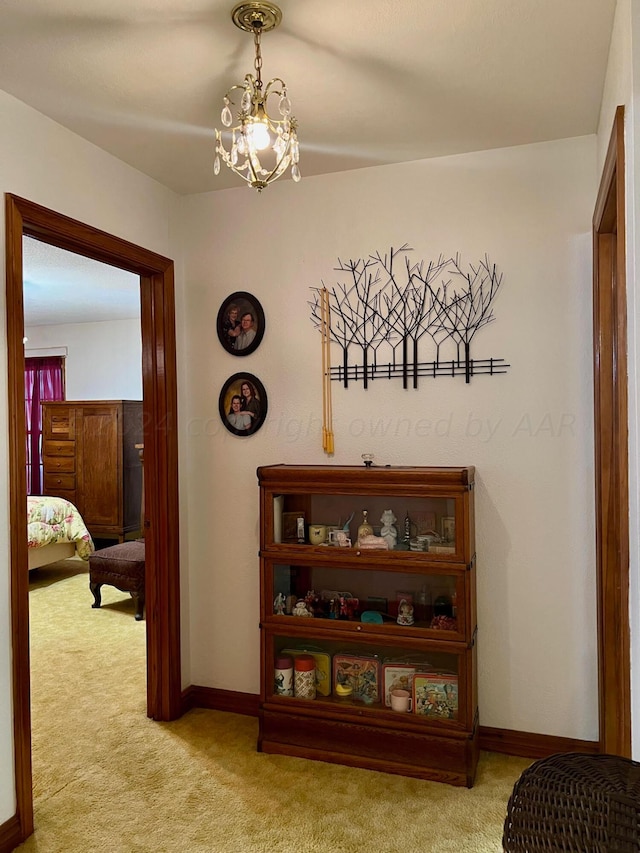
<point>405,613</point>
<point>301,608</point>
<point>388,531</point>
<point>340,538</point>
<point>278,604</point>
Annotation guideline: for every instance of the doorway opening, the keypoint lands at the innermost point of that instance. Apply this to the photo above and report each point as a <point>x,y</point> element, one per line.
<point>162,575</point>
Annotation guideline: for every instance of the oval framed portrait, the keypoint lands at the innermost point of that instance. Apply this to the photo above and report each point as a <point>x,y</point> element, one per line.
<point>240,323</point>
<point>243,404</point>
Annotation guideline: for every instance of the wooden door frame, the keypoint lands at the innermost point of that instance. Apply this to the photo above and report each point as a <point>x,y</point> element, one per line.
<point>611,449</point>
<point>162,575</point>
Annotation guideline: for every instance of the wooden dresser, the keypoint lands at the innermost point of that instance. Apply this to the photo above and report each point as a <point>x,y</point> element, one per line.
<point>90,458</point>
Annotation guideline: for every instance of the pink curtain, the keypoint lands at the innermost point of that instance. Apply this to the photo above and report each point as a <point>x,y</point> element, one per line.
<point>43,380</point>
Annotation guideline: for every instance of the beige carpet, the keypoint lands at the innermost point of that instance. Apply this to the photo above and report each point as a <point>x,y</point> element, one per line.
<point>108,779</point>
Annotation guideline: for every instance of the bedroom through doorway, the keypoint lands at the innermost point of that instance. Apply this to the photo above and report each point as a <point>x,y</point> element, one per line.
<point>157,323</point>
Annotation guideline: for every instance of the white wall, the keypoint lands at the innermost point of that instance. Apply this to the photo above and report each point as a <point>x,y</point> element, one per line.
<point>103,362</point>
<point>529,432</point>
<point>45,163</point>
<point>622,87</point>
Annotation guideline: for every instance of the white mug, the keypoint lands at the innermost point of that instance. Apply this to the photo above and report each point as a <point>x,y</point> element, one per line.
<point>400,701</point>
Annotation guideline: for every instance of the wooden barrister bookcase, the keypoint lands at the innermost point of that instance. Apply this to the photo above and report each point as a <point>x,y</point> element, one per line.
<point>356,597</point>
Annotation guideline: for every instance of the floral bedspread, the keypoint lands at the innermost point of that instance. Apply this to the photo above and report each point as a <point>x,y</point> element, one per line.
<point>51,520</point>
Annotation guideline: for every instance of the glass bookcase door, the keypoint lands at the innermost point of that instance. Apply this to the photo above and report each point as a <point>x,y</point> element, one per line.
<point>354,597</point>
<point>405,523</point>
<point>356,676</point>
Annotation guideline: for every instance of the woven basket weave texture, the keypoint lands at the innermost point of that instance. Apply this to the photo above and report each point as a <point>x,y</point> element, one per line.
<point>575,802</point>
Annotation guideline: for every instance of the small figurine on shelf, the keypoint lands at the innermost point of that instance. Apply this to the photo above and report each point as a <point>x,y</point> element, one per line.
<point>405,613</point>
<point>407,528</point>
<point>388,531</point>
<point>340,539</point>
<point>278,604</point>
<point>301,608</point>
<point>365,528</point>
<point>313,603</point>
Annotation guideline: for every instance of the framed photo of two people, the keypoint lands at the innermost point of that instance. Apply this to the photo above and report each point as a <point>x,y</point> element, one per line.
<point>243,404</point>
<point>240,323</point>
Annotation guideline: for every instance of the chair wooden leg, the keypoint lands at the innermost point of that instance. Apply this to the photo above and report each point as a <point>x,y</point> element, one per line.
<point>95,589</point>
<point>138,600</point>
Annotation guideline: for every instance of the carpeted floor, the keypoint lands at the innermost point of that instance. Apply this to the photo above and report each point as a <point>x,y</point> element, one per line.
<point>108,779</point>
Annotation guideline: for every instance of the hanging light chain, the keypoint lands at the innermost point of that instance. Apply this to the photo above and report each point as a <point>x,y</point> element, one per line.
<point>258,59</point>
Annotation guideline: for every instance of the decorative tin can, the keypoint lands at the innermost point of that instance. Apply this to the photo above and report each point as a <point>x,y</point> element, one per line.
<point>283,682</point>
<point>304,678</point>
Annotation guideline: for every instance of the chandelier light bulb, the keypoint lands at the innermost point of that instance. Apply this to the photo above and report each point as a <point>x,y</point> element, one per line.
<point>260,147</point>
<point>258,135</point>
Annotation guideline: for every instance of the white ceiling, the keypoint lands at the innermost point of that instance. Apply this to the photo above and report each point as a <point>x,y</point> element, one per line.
<point>60,287</point>
<point>371,81</point>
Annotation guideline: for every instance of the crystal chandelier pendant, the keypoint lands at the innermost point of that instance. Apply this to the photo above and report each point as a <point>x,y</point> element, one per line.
<point>261,147</point>
<point>226,116</point>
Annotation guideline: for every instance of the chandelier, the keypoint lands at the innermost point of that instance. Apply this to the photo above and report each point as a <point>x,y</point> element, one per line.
<point>261,147</point>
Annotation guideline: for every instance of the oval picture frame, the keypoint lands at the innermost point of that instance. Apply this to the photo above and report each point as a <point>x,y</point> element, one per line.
<point>229,327</point>
<point>246,417</point>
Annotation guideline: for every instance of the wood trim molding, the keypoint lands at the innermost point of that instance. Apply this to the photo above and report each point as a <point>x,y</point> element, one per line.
<point>531,745</point>
<point>220,700</point>
<point>10,834</point>
<point>611,449</point>
<point>161,464</point>
<point>524,744</point>
<point>18,520</point>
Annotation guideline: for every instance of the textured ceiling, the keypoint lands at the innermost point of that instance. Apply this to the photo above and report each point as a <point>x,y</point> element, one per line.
<point>61,287</point>
<point>371,81</point>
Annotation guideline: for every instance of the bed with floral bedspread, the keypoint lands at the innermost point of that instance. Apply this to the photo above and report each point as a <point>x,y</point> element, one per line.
<point>55,531</point>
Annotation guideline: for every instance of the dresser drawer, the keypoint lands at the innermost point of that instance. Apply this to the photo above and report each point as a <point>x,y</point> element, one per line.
<point>60,422</point>
<point>59,464</point>
<point>53,483</point>
<point>59,448</point>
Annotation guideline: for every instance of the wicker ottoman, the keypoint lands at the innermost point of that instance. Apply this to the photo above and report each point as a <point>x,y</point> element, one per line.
<point>121,566</point>
<point>576,802</point>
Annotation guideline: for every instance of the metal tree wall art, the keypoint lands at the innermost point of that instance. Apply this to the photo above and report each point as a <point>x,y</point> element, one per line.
<point>386,308</point>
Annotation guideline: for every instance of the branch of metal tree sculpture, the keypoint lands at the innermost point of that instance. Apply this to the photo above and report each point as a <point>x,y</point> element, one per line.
<point>469,310</point>
<point>410,313</point>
